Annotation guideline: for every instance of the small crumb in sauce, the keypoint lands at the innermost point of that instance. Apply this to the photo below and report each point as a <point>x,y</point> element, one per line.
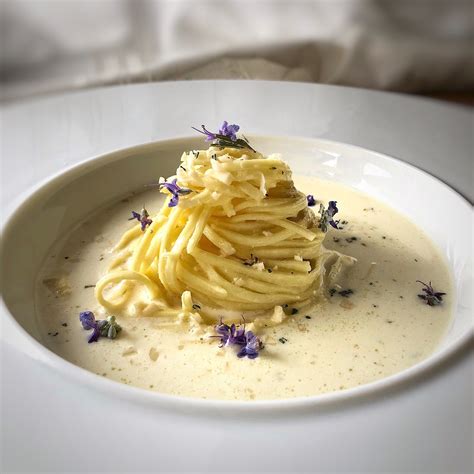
<point>346,304</point>
<point>383,237</point>
<point>308,317</point>
<point>363,244</point>
<point>153,354</point>
<point>389,321</point>
<point>66,258</point>
<point>283,340</point>
<point>54,334</point>
<point>130,350</point>
<point>89,286</point>
<point>64,325</point>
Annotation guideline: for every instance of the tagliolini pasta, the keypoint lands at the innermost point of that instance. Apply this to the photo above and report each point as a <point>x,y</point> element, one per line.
<point>233,236</point>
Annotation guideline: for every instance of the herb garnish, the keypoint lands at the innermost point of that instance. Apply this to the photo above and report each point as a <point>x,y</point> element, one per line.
<point>226,137</point>
<point>343,293</point>
<point>283,340</point>
<point>432,297</point>
<point>143,218</point>
<point>249,343</point>
<point>346,293</point>
<point>102,327</point>
<point>175,190</point>
<point>327,216</point>
<point>311,200</point>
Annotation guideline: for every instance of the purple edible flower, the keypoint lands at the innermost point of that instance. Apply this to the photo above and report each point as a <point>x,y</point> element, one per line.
<point>226,131</point>
<point>432,297</point>
<point>88,321</point>
<point>311,200</point>
<point>102,327</point>
<point>229,130</point>
<point>225,137</point>
<point>143,218</point>
<point>252,346</point>
<point>175,191</point>
<point>327,216</point>
<point>249,343</point>
<point>230,334</point>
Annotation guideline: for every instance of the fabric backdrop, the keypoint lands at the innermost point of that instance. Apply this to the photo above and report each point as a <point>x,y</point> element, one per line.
<point>402,45</point>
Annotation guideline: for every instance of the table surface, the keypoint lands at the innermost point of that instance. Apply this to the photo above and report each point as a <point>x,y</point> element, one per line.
<point>59,426</point>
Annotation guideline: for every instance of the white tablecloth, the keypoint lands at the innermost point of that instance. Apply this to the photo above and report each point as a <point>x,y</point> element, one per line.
<point>403,45</point>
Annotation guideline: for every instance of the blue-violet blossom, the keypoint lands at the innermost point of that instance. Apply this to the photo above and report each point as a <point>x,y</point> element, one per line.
<point>249,343</point>
<point>226,131</point>
<point>143,218</point>
<point>175,191</point>
<point>311,200</point>
<point>102,327</point>
<point>225,137</point>
<point>327,216</point>
<point>229,130</point>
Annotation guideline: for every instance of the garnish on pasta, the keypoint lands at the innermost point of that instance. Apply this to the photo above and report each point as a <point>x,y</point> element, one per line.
<point>233,237</point>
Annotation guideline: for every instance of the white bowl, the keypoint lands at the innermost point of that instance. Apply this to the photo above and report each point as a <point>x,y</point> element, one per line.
<point>58,204</point>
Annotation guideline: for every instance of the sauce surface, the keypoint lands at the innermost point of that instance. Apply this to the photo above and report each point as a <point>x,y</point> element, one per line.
<point>381,328</point>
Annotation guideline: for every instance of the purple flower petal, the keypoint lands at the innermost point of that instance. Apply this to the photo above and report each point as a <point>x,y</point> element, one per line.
<point>135,215</point>
<point>94,337</point>
<point>311,200</point>
<point>229,130</point>
<point>143,218</point>
<point>209,135</point>
<point>87,319</point>
<point>332,208</point>
<point>249,344</point>
<point>327,216</point>
<point>175,191</point>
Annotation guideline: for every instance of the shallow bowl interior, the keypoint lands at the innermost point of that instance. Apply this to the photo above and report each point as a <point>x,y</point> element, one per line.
<point>67,198</point>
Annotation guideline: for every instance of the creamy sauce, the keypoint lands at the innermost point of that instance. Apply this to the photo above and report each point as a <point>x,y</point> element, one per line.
<point>380,329</point>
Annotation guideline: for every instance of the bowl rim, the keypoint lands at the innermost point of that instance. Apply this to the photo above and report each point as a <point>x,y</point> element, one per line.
<point>136,394</point>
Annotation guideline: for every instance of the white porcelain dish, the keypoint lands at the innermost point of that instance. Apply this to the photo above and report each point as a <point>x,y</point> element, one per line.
<point>69,197</point>
<point>52,422</point>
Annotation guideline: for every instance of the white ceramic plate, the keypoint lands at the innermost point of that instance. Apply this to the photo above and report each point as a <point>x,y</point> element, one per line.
<point>55,415</point>
<point>69,197</point>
